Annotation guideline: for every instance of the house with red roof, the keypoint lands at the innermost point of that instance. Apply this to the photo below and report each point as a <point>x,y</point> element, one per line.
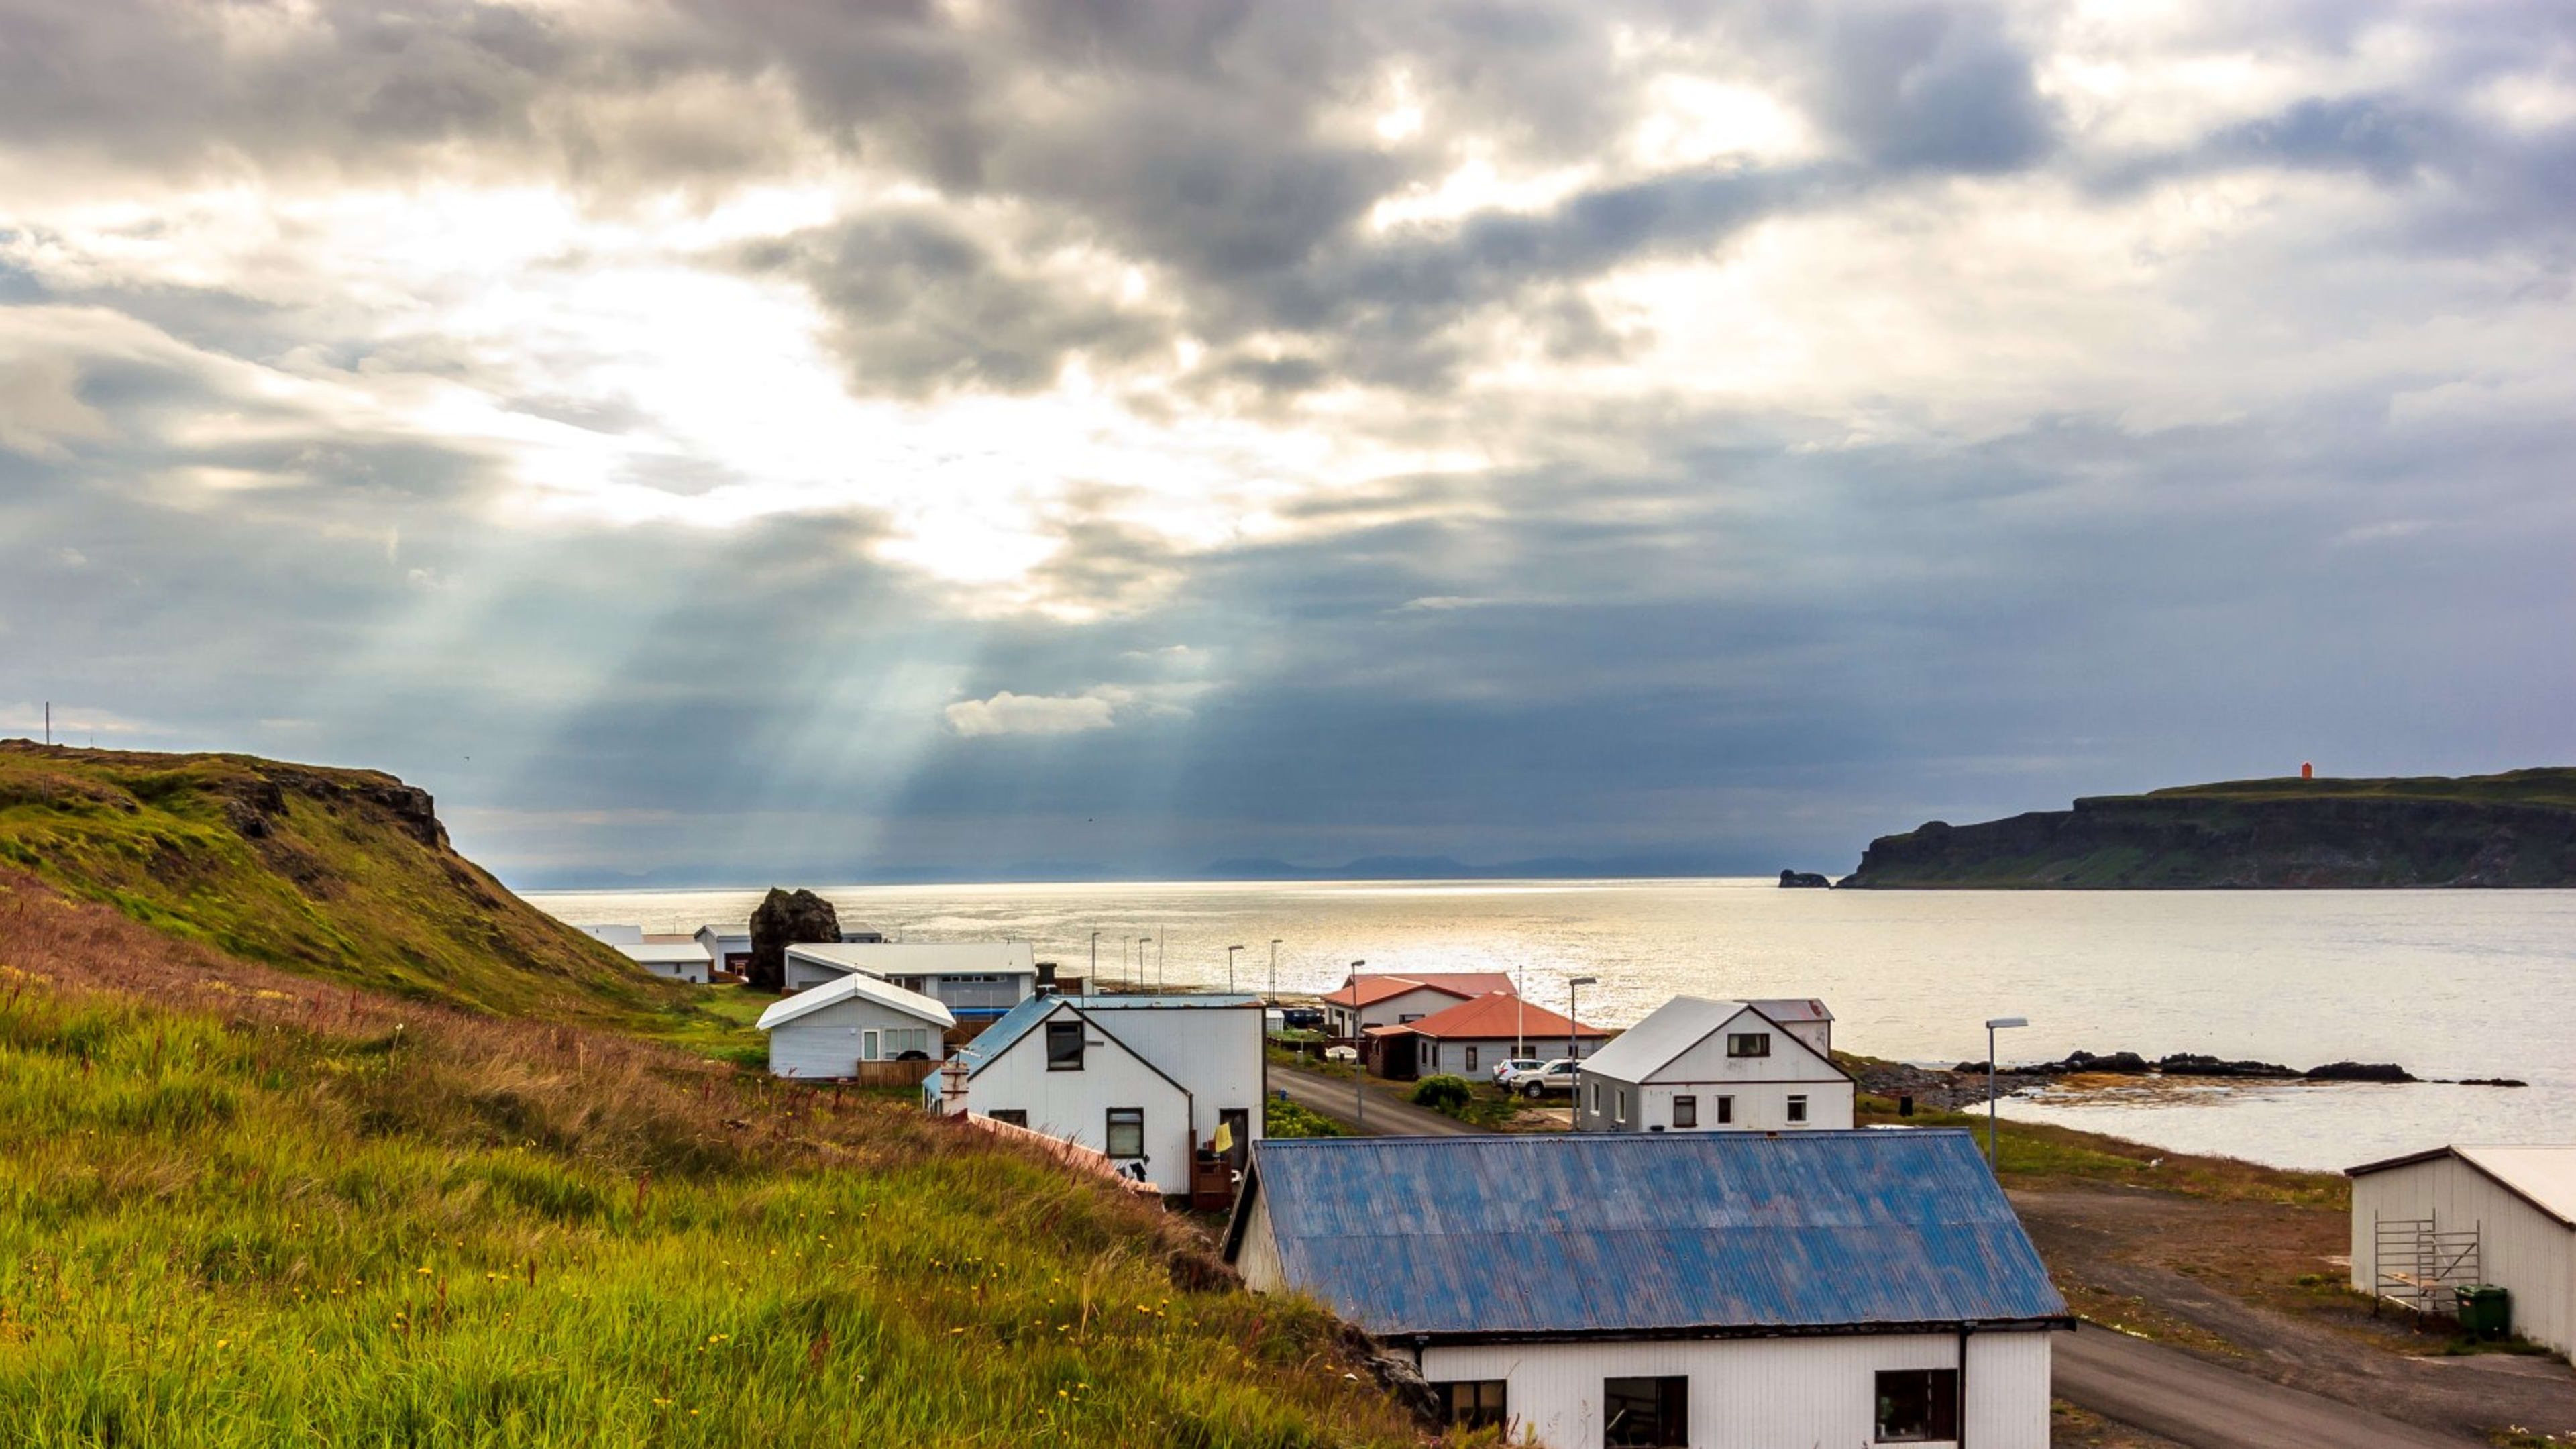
<point>1467,1039</point>
<point>1387,999</point>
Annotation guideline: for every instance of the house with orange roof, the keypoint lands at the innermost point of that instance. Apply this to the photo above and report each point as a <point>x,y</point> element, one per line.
<point>1388,999</point>
<point>1467,1039</point>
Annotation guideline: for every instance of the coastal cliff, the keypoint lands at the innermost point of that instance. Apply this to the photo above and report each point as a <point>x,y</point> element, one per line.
<point>2513,829</point>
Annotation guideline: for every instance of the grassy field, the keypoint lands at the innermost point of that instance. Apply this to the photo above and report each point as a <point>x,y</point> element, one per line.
<point>238,1208</point>
<point>2039,1155</point>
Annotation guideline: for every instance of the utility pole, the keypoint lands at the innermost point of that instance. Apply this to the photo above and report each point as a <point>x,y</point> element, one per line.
<point>1573,993</point>
<point>1274,971</point>
<point>1095,961</point>
<point>1359,1072</point>
<point>1992,1026</point>
<point>1229,967</point>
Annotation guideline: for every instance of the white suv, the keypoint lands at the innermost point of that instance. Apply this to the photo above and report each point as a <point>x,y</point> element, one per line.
<point>1556,1076</point>
<point>1504,1069</point>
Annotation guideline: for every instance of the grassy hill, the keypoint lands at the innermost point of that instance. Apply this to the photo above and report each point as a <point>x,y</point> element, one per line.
<point>244,1202</point>
<point>344,874</point>
<point>2514,829</point>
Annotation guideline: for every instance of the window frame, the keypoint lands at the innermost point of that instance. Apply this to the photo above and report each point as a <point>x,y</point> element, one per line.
<point>1478,1414</point>
<point>1746,1045</point>
<point>1057,1031</point>
<point>1110,1124</point>
<point>1942,1410</point>
<point>1796,1109</point>
<point>1670,1394</point>
<point>1685,1110</point>
<point>1471,1066</point>
<point>1011,1116</point>
<point>1725,1110</point>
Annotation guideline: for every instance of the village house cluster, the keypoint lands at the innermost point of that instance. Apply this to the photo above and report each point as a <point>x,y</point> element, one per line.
<point>1710,1256</point>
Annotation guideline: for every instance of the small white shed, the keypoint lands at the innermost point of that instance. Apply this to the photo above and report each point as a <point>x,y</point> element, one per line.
<point>676,960</point>
<point>728,946</point>
<point>2430,1222</point>
<point>1711,1066</point>
<point>831,1031</point>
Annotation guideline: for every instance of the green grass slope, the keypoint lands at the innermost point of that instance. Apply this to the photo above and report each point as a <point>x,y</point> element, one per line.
<point>2515,829</point>
<point>240,1208</point>
<point>344,874</point>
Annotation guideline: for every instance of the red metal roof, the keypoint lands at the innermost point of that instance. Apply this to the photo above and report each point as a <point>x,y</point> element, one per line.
<point>1369,990</point>
<point>1499,1016</point>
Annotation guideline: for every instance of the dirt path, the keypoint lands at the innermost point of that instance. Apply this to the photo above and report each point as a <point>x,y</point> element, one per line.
<point>1332,1098</point>
<point>2192,1401</point>
<point>2160,1256</point>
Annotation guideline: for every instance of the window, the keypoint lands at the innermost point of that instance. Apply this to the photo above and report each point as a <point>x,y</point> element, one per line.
<point>1064,1046</point>
<point>1645,1413</point>
<point>1748,1043</point>
<point>1596,1099</point>
<point>1471,1059</point>
<point>1621,1096</point>
<point>1016,1116</point>
<point>1797,1109</point>
<point>1126,1132</point>
<point>1431,1056</point>
<point>1918,1404</point>
<point>1725,1110</point>
<point>1410,1016</point>
<point>1685,1111</point>
<point>1473,1403</point>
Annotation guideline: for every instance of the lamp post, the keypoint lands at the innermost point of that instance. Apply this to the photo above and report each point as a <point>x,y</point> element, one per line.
<point>1993,1025</point>
<point>1140,958</point>
<point>1095,960</point>
<point>1573,989</point>
<point>1274,971</point>
<point>1359,1064</point>
<point>1229,967</point>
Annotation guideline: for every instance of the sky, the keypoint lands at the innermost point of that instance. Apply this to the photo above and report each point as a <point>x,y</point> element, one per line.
<point>706,441</point>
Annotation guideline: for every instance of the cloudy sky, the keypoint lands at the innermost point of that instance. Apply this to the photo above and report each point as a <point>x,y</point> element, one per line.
<point>707,440</point>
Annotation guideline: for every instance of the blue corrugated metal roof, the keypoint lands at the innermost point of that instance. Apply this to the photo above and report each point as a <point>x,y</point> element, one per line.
<point>1604,1234</point>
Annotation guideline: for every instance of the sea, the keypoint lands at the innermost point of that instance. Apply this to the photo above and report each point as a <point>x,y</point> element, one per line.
<point>2447,983</point>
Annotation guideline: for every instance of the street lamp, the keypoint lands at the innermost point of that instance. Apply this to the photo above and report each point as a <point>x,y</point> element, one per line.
<point>1274,971</point>
<point>1140,958</point>
<point>1095,960</point>
<point>1359,1061</point>
<point>1229,966</point>
<point>1572,989</point>
<point>1993,1025</point>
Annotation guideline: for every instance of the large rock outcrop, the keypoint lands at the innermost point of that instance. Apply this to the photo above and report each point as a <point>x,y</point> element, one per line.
<point>2517,829</point>
<point>786,918</point>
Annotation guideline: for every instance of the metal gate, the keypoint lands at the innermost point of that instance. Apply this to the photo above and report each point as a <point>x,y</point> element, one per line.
<point>2419,1264</point>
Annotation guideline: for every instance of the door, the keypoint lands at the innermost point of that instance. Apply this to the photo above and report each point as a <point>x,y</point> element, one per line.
<point>1238,1124</point>
<point>867,1046</point>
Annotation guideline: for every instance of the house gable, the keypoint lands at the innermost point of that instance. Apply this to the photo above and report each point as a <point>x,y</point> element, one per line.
<point>1706,1061</point>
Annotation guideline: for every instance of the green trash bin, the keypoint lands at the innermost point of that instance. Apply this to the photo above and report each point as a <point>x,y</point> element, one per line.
<point>2486,1311</point>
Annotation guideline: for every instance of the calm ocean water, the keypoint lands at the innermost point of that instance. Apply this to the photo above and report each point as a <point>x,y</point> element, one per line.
<point>2448,983</point>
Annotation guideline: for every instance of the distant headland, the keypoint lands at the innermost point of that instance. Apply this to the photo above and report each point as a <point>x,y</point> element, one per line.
<point>2513,829</point>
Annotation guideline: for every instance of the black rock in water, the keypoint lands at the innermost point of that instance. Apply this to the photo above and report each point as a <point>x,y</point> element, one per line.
<point>1804,879</point>
<point>2360,1072</point>
<point>784,919</point>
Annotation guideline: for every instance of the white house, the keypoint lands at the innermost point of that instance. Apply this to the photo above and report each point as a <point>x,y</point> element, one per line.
<point>680,960</point>
<point>974,979</point>
<point>1711,1066</point>
<point>1725,1291</point>
<point>1467,1039</point>
<point>615,935</point>
<point>728,947</point>
<point>827,1032</point>
<point>1367,1000</point>
<point>2430,1222</point>
<point>1147,1080</point>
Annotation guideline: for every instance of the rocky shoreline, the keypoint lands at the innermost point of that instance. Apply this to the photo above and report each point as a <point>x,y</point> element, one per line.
<point>1965,1084</point>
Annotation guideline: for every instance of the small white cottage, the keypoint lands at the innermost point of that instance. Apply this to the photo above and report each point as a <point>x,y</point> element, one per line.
<point>1724,1291</point>
<point>729,947</point>
<point>1711,1066</point>
<point>1147,1080</point>
<point>680,960</point>
<point>2430,1223</point>
<point>829,1032</point>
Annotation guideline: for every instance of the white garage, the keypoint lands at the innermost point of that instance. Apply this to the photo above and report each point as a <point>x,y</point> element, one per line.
<point>2427,1224</point>
<point>828,1033</point>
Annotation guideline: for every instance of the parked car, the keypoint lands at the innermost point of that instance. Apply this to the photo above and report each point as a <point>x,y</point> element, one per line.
<point>1304,1018</point>
<point>1504,1069</point>
<point>1556,1076</point>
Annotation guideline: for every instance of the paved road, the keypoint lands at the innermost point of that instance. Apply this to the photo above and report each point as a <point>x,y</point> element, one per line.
<point>2166,1391</point>
<point>1332,1098</point>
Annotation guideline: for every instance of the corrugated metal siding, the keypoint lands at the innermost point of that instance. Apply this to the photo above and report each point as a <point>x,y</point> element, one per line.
<point>2521,1248</point>
<point>1763,1393</point>
<point>1590,1234</point>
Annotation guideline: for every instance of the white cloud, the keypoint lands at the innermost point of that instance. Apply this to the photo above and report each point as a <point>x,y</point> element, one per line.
<point>1031,714</point>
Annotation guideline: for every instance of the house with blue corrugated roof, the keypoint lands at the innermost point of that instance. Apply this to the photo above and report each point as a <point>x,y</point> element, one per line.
<point>1147,1080</point>
<point>1715,1290</point>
